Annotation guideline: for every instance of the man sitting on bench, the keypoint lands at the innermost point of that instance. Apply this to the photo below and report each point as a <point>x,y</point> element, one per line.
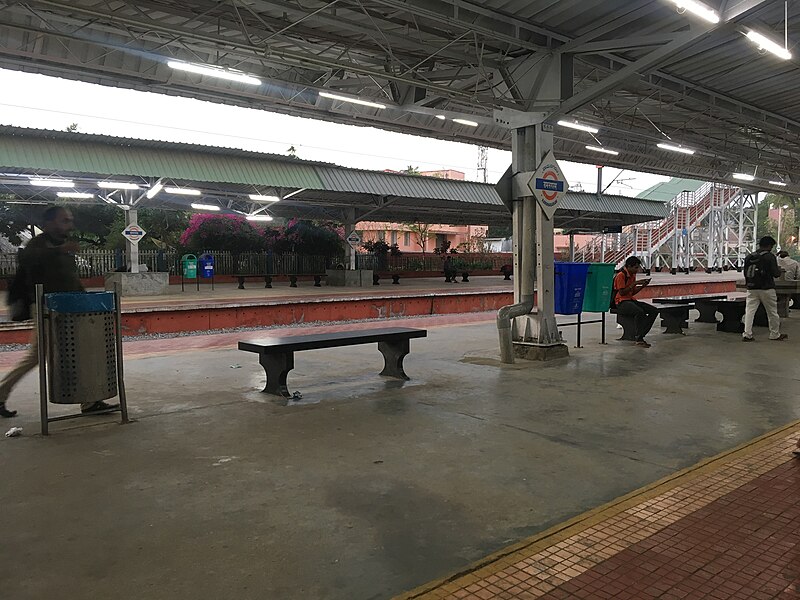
<point>625,288</point>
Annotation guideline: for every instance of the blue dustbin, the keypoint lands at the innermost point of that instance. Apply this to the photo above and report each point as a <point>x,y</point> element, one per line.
<point>570,287</point>
<point>206,263</point>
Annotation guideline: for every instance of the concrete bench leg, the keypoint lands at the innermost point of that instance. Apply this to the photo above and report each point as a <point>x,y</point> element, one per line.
<point>317,280</point>
<point>241,282</point>
<point>731,318</point>
<point>376,279</point>
<point>708,312</point>
<point>628,327</point>
<point>292,280</point>
<point>395,279</point>
<point>465,277</point>
<point>268,281</point>
<point>393,355</point>
<point>673,320</point>
<point>277,367</point>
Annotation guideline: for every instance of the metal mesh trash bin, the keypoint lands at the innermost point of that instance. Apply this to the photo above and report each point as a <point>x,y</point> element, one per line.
<point>80,350</point>
<point>82,353</point>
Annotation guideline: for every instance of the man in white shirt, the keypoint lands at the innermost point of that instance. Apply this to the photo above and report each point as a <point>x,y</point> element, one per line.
<point>789,266</point>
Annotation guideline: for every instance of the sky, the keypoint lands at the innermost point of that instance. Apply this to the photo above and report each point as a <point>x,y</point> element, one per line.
<point>30,100</point>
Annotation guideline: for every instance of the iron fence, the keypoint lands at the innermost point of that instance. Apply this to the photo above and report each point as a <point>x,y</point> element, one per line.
<point>94,263</point>
<point>433,262</point>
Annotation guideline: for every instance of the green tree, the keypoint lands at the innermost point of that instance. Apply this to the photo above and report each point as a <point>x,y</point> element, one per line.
<point>789,222</point>
<point>411,170</point>
<point>164,229</point>
<point>421,231</point>
<point>499,231</point>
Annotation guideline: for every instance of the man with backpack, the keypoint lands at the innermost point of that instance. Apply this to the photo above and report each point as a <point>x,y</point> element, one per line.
<point>47,259</point>
<point>625,288</point>
<point>760,270</point>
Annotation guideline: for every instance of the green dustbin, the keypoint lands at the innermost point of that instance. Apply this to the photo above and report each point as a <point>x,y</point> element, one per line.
<point>599,283</point>
<point>189,264</point>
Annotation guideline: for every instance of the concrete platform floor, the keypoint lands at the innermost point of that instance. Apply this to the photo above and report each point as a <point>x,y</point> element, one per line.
<point>369,487</point>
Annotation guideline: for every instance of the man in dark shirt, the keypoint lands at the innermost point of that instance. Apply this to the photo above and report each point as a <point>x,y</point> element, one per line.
<point>47,259</point>
<point>761,269</point>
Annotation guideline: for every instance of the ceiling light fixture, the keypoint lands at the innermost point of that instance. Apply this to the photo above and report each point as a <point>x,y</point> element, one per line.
<point>212,71</point>
<point>466,122</point>
<point>744,176</point>
<point>182,191</point>
<point>697,8</point>
<point>52,183</point>
<point>260,198</point>
<point>778,183</point>
<point>441,117</point>
<point>579,126</point>
<point>205,206</point>
<point>673,148</point>
<point>117,185</point>
<point>351,100</point>
<point>153,191</point>
<point>259,218</point>
<point>764,43</point>
<point>603,150</point>
<point>75,195</point>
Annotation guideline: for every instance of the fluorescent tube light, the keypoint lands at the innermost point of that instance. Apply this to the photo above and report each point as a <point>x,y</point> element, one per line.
<point>153,191</point>
<point>117,185</point>
<point>213,71</point>
<point>351,100</point>
<point>261,198</point>
<point>601,149</point>
<point>778,183</point>
<point>182,191</point>
<point>744,176</point>
<point>673,148</point>
<point>52,182</point>
<point>441,117</point>
<point>764,43</point>
<point>465,122</point>
<point>697,8</point>
<point>76,195</point>
<point>205,206</point>
<point>578,126</point>
<point>259,218</point>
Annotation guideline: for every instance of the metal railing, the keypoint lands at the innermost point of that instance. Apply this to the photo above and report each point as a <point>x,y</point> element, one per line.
<point>431,262</point>
<point>95,263</point>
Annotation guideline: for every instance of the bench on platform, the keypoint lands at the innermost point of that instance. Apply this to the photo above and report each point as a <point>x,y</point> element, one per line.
<point>704,303</point>
<point>673,318</point>
<point>377,276</point>
<point>276,354</point>
<point>268,279</point>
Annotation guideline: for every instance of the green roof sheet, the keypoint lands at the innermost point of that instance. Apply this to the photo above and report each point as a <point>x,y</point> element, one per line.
<point>667,190</point>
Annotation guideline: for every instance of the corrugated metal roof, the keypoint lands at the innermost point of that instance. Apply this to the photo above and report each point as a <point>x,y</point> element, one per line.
<point>667,190</point>
<point>107,156</point>
<point>339,179</point>
<point>608,204</point>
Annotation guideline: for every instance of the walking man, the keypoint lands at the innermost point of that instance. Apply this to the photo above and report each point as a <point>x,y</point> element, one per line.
<point>47,259</point>
<point>625,288</point>
<point>760,270</point>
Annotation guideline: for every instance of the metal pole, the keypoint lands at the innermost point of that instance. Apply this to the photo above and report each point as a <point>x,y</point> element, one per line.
<point>42,346</point>
<point>603,328</point>
<point>123,402</point>
<point>571,246</point>
<point>578,345</point>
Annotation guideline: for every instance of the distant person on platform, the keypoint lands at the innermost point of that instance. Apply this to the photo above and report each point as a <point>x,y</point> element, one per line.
<point>760,270</point>
<point>790,267</point>
<point>49,259</point>
<point>625,288</point>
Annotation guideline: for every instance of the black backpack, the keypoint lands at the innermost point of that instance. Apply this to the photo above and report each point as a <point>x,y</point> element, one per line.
<point>756,271</point>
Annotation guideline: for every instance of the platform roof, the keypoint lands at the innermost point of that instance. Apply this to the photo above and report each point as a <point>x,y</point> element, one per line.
<point>642,71</point>
<point>228,176</point>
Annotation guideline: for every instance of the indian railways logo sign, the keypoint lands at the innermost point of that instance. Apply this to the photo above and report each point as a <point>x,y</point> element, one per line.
<point>548,185</point>
<point>133,233</point>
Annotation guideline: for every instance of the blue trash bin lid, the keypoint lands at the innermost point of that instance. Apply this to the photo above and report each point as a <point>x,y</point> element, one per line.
<point>80,302</point>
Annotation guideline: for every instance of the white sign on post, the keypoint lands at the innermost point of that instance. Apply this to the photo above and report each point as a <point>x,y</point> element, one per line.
<point>548,185</point>
<point>353,239</point>
<point>133,233</point>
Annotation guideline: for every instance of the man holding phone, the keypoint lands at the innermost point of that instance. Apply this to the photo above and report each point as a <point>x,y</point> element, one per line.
<point>625,288</point>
